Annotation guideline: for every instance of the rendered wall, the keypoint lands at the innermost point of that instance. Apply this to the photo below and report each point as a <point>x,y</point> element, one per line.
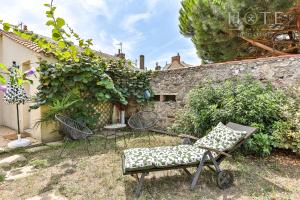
<point>11,51</point>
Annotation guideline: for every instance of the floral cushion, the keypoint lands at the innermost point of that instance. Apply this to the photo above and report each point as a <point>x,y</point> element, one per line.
<point>160,157</point>
<point>221,138</point>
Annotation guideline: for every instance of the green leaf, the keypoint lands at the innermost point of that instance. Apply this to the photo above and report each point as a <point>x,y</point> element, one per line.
<point>3,67</point>
<point>50,23</point>
<point>49,13</point>
<point>60,22</point>
<point>81,43</point>
<point>56,35</point>
<point>2,79</point>
<point>6,26</point>
<point>47,5</point>
<point>77,78</point>
<point>61,44</point>
<point>73,48</point>
<point>20,81</point>
<point>88,51</point>
<point>108,84</point>
<point>25,36</point>
<point>67,55</point>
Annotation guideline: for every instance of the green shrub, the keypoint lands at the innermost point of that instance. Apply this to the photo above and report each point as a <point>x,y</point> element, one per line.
<point>2,176</point>
<point>245,101</point>
<point>39,163</point>
<point>285,137</point>
<point>259,144</point>
<point>286,133</point>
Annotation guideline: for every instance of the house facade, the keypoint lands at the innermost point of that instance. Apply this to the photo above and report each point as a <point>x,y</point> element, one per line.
<point>176,63</point>
<point>27,55</point>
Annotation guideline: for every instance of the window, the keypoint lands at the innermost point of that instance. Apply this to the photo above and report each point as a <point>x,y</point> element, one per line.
<point>156,97</point>
<point>165,98</point>
<point>170,98</point>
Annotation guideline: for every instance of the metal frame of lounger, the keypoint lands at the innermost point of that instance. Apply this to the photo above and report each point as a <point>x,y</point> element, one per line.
<point>224,179</point>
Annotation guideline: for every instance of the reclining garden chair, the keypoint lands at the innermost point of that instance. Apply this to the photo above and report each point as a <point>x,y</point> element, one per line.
<point>208,151</point>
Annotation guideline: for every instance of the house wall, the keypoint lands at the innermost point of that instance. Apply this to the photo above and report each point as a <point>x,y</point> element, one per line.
<point>11,51</point>
<point>283,72</point>
<point>1,93</point>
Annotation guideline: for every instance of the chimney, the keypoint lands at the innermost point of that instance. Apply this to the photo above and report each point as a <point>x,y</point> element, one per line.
<point>176,58</point>
<point>120,54</point>
<point>142,62</point>
<point>157,67</point>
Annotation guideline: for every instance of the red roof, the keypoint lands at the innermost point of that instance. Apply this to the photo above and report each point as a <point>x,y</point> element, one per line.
<point>26,43</point>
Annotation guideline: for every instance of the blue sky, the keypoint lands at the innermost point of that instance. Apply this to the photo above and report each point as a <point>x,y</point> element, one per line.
<point>148,27</point>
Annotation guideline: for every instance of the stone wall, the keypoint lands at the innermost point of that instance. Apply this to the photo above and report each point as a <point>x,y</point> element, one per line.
<point>283,72</point>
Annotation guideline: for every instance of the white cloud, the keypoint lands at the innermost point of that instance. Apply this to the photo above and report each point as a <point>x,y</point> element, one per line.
<point>99,7</point>
<point>110,44</point>
<point>129,43</point>
<point>191,57</point>
<point>83,17</point>
<point>152,4</point>
<point>164,46</point>
<point>79,14</point>
<point>15,12</point>
<point>103,42</point>
<point>130,22</point>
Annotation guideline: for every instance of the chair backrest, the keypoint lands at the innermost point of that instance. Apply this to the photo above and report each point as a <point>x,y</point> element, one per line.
<point>143,120</point>
<point>222,138</point>
<point>226,138</point>
<point>238,127</point>
<point>72,128</point>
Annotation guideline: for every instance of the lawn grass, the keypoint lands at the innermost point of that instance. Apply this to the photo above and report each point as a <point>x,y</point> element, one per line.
<point>99,176</point>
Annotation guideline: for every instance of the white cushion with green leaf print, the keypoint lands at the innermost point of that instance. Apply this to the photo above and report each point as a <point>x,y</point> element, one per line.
<point>221,138</point>
<point>161,157</point>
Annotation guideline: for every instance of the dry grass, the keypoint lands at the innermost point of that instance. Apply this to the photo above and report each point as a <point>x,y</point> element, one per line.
<point>78,176</point>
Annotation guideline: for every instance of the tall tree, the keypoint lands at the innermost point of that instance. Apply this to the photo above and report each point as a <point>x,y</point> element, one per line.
<point>225,30</point>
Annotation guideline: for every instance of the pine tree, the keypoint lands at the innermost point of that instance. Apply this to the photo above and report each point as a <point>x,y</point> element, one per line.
<point>225,30</point>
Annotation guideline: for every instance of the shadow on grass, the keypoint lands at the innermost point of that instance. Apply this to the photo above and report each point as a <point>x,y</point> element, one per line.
<point>77,149</point>
<point>176,185</point>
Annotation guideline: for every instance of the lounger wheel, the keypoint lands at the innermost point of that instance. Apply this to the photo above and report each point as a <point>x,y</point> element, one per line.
<point>224,179</point>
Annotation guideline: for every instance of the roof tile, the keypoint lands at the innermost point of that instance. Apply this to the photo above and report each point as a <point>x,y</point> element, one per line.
<point>26,43</point>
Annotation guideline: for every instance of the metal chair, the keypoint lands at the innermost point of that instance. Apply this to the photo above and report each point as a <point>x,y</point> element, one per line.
<point>73,130</point>
<point>143,121</point>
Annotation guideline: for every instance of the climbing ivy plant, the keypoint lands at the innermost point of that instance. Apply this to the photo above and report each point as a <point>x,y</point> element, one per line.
<point>4,70</point>
<point>79,70</point>
<point>19,78</point>
<point>134,85</point>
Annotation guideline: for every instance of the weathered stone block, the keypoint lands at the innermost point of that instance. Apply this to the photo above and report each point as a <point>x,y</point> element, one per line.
<point>6,162</point>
